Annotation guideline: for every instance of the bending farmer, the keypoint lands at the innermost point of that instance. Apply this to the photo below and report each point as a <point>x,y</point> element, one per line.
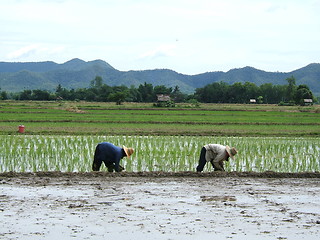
<point>216,154</point>
<point>111,155</point>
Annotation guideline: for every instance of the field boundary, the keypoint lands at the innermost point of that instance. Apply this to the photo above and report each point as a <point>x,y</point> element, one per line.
<point>160,174</point>
<point>163,122</point>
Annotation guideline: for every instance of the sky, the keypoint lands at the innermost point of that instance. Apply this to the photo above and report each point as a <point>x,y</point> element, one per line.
<point>187,36</point>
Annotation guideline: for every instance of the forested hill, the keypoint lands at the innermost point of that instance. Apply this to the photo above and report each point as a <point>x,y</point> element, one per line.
<point>77,73</point>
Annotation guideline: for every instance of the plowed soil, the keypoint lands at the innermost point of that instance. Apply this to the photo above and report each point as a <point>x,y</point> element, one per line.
<point>159,205</point>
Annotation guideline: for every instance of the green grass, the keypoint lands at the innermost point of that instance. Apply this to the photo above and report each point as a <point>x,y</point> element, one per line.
<point>70,128</point>
<point>73,118</point>
<point>160,115</point>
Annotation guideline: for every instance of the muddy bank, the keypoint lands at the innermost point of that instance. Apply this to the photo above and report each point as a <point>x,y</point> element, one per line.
<point>159,206</point>
<point>268,174</point>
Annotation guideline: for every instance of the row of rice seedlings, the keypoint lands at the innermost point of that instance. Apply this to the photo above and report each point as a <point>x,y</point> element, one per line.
<point>277,154</point>
<point>157,153</point>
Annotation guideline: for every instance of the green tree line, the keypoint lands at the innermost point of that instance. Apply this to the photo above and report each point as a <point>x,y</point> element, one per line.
<point>221,92</point>
<point>217,92</point>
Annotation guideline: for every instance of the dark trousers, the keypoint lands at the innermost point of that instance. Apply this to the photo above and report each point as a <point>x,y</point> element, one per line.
<point>97,162</point>
<point>202,160</point>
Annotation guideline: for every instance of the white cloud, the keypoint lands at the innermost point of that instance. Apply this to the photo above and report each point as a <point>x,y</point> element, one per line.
<point>33,52</point>
<point>23,52</point>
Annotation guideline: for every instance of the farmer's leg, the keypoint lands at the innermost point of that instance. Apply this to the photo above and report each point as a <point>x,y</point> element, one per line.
<point>202,160</point>
<point>121,168</point>
<point>110,166</point>
<point>96,160</point>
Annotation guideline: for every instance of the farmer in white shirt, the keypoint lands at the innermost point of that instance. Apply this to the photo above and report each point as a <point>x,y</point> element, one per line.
<point>216,154</point>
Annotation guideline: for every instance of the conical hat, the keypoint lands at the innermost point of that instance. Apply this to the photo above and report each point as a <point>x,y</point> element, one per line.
<point>128,151</point>
<point>231,151</point>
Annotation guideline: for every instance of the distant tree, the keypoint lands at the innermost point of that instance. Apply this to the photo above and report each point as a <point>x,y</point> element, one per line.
<point>25,95</point>
<point>79,94</point>
<point>37,95</point>
<point>134,95</point>
<point>237,93</point>
<point>177,95</point>
<point>272,94</point>
<point>40,95</point>
<point>146,92</point>
<point>118,97</point>
<point>241,93</point>
<point>72,95</point>
<point>103,93</point>
<point>62,93</point>
<point>268,93</point>
<point>90,95</point>
<point>291,88</point>
<point>97,82</point>
<point>251,91</point>
<point>161,89</point>
<point>59,88</point>
<point>213,93</point>
<point>3,95</point>
<point>279,93</point>
<point>302,92</point>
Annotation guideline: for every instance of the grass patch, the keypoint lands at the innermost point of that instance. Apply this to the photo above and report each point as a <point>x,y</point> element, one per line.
<point>73,118</point>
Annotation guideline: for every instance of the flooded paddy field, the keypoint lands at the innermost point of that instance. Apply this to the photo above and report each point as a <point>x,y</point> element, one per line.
<point>159,205</point>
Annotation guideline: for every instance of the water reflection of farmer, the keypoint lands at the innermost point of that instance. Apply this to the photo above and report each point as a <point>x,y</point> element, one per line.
<point>216,154</point>
<point>111,155</point>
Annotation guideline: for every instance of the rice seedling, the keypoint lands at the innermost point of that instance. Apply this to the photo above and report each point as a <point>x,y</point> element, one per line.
<point>24,153</point>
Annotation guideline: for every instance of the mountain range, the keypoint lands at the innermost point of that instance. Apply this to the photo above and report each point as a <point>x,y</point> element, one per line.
<point>76,73</point>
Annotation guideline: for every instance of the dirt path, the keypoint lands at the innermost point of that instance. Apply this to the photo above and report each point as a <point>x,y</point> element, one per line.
<point>159,206</point>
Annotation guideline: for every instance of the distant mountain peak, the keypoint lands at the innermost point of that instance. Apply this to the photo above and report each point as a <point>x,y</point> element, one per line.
<point>75,61</point>
<point>312,66</point>
<point>79,64</point>
<point>100,63</point>
<point>73,64</point>
<point>77,73</point>
<point>246,68</point>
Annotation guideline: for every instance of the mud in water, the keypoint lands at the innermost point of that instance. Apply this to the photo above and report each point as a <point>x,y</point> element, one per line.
<point>267,174</point>
<point>159,205</point>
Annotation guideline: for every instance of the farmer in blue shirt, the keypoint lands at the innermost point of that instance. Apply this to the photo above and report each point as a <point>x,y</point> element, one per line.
<point>111,155</point>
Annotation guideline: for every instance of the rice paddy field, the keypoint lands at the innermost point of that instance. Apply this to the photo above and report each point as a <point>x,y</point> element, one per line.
<point>48,191</point>
<point>83,118</point>
<point>34,153</point>
<point>61,136</point>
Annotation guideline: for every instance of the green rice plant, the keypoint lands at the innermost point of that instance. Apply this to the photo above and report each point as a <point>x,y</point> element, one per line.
<point>24,153</point>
